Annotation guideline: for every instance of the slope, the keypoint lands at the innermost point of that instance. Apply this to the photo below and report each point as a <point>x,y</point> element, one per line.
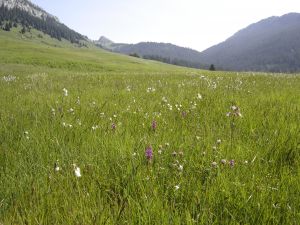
<point>268,45</point>
<point>38,50</point>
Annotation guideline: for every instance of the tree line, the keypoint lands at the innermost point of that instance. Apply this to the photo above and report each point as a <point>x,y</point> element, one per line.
<point>11,17</point>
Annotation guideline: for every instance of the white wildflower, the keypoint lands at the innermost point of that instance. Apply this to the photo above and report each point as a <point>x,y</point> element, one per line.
<point>56,166</point>
<point>164,99</point>
<point>53,111</point>
<point>223,161</point>
<point>214,164</point>
<point>95,127</point>
<point>180,167</point>
<point>77,171</point>
<point>65,92</point>
<point>78,101</point>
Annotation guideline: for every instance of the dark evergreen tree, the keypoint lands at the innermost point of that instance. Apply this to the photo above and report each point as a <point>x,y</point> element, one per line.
<point>7,26</point>
<point>212,67</point>
<point>134,55</point>
<point>23,30</point>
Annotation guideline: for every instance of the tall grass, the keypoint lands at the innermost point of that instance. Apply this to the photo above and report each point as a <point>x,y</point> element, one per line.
<point>184,183</point>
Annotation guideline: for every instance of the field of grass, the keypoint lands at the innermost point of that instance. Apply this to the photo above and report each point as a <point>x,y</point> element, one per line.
<point>155,144</point>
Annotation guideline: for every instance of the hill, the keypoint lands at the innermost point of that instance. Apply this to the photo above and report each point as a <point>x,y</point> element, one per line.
<point>268,45</point>
<point>40,50</point>
<point>164,52</point>
<point>14,12</point>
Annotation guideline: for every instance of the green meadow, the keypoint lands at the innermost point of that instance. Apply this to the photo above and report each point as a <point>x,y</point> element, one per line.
<point>93,137</point>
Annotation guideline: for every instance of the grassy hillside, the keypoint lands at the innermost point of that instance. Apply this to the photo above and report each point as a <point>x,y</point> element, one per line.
<point>43,51</point>
<point>154,143</point>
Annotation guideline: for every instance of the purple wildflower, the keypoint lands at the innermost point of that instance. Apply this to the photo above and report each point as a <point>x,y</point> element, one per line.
<point>149,153</point>
<point>113,126</point>
<point>154,125</point>
<point>231,163</point>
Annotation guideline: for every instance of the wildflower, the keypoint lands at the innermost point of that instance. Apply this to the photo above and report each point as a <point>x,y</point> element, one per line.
<point>199,96</point>
<point>56,166</point>
<point>219,141</point>
<point>77,171</point>
<point>233,107</point>
<point>71,110</point>
<point>223,161</point>
<point>214,164</point>
<point>154,125</point>
<point>78,101</point>
<point>231,163</point>
<point>246,162</point>
<point>134,154</point>
<point>9,78</point>
<point>180,167</point>
<point>174,153</point>
<point>65,91</point>
<point>26,133</point>
<point>53,111</point>
<point>113,126</point>
<point>177,187</point>
<point>159,151</point>
<point>235,111</point>
<point>164,99</point>
<point>149,153</point>
<point>95,127</point>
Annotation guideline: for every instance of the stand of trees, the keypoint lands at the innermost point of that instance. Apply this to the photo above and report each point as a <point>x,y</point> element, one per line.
<point>48,25</point>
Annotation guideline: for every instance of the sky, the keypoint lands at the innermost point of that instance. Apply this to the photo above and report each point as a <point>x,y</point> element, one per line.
<point>196,24</point>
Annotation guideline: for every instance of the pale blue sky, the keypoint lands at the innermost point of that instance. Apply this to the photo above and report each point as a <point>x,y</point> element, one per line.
<point>196,24</point>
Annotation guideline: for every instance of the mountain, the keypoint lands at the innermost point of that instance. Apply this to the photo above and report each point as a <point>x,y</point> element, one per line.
<point>272,44</point>
<point>28,15</point>
<point>164,52</point>
<point>28,7</point>
<point>104,42</point>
